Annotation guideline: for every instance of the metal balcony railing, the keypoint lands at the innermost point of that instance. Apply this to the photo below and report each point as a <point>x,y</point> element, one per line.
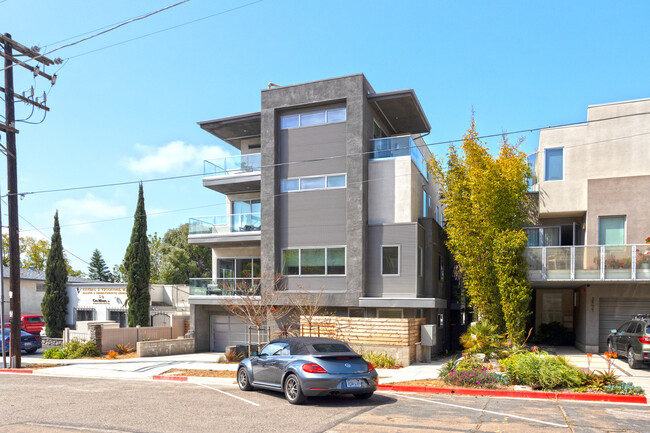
<point>391,147</point>
<point>223,224</point>
<point>589,262</point>
<point>225,286</point>
<point>232,165</point>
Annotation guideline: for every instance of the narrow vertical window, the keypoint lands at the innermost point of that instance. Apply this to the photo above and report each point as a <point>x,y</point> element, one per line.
<point>390,260</point>
<point>554,164</point>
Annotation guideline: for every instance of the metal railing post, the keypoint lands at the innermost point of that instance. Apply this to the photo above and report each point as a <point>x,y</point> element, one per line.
<point>602,262</point>
<point>573,263</point>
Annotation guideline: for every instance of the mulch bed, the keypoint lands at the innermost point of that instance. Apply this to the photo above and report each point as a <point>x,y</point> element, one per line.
<point>200,373</point>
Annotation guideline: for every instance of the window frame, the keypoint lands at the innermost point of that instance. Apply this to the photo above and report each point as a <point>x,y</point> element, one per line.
<point>546,179</point>
<point>325,112</point>
<point>399,260</point>
<point>283,189</point>
<point>326,248</point>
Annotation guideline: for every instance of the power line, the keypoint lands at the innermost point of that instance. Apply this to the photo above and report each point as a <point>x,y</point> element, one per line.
<point>320,159</point>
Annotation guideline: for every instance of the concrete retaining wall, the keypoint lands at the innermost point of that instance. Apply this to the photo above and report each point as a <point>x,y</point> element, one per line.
<point>165,347</point>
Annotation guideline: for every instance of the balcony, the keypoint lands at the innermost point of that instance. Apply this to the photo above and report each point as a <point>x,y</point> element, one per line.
<point>224,286</point>
<point>392,147</point>
<point>233,174</point>
<point>589,263</point>
<point>226,230</point>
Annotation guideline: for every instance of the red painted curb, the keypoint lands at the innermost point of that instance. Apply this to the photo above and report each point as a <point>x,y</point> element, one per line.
<point>15,370</point>
<point>612,398</point>
<point>172,378</point>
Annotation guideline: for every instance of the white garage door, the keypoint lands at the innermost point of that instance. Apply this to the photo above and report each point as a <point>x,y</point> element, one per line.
<point>616,311</point>
<point>225,331</point>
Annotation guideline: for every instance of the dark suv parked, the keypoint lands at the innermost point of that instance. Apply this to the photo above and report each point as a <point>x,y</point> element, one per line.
<point>632,339</point>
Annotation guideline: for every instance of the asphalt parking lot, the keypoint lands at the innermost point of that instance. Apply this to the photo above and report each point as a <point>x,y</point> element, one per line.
<point>58,405</point>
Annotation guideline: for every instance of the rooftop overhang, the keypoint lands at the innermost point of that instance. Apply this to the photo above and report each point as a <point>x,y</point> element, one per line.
<point>371,302</point>
<point>401,111</point>
<point>233,129</point>
<point>234,184</point>
<point>220,240</point>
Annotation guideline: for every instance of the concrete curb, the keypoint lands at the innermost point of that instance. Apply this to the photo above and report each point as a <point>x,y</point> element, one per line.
<point>16,370</point>
<point>575,396</point>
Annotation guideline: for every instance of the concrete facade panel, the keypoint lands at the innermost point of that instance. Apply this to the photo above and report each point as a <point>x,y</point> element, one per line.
<point>405,284</point>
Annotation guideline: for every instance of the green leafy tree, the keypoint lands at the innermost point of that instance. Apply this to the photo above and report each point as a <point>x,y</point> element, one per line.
<point>486,207</point>
<point>97,270</point>
<point>155,249</point>
<point>137,263</point>
<point>55,301</point>
<point>180,260</point>
<point>33,254</point>
<point>119,273</point>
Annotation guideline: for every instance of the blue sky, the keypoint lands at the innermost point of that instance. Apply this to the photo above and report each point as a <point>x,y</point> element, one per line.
<point>129,112</point>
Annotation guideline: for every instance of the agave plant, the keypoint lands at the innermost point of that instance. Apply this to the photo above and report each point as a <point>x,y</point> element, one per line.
<point>482,338</point>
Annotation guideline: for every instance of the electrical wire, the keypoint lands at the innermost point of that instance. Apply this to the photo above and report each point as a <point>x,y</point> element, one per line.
<point>321,159</point>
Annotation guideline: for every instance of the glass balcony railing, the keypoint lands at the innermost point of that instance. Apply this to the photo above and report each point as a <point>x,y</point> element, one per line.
<point>225,286</point>
<point>233,165</point>
<point>223,224</point>
<point>391,147</point>
<point>597,262</point>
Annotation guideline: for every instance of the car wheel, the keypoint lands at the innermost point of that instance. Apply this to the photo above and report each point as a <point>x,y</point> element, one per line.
<point>292,390</point>
<point>243,380</point>
<point>610,346</point>
<point>30,351</point>
<point>633,363</point>
<point>363,395</point>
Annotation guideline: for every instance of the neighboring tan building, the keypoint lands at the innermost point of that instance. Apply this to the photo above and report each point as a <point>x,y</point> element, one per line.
<point>331,190</point>
<point>588,257</point>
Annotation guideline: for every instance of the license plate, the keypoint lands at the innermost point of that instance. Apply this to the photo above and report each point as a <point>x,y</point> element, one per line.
<point>28,344</point>
<point>354,383</point>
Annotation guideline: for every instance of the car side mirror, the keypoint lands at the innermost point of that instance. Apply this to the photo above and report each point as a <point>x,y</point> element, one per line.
<point>254,353</point>
<point>613,331</point>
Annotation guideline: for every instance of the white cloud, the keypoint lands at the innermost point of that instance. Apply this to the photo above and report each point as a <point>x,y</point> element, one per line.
<point>173,157</point>
<point>74,211</point>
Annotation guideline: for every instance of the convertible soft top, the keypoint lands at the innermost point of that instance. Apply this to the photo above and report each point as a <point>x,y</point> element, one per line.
<point>317,346</point>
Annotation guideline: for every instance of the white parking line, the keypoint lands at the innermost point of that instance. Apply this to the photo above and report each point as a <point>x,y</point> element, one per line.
<point>228,394</point>
<point>477,410</point>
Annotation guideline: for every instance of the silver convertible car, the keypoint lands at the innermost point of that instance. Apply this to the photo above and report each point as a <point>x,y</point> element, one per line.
<point>304,367</point>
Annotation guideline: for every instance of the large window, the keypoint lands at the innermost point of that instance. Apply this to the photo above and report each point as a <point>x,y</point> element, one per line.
<point>611,230</point>
<point>554,164</point>
<point>390,260</point>
<point>85,315</point>
<point>313,261</point>
<point>311,118</point>
<point>313,182</point>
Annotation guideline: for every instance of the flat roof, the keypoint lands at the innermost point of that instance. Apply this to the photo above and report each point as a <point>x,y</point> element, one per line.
<point>234,128</point>
<point>402,111</point>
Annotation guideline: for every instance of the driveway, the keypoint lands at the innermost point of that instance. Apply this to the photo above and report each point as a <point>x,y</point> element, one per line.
<point>111,406</point>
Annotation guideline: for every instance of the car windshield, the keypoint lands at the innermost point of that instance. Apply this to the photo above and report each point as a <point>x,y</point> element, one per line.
<point>330,348</point>
<point>35,319</point>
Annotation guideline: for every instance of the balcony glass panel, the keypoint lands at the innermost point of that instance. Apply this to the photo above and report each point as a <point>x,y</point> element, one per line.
<point>233,165</point>
<point>618,262</point>
<point>224,286</point>
<point>558,263</point>
<point>534,258</point>
<point>222,224</point>
<point>587,263</point>
<point>642,261</point>
<point>392,147</point>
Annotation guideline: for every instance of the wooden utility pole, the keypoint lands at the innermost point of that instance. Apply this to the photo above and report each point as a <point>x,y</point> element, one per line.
<point>12,176</point>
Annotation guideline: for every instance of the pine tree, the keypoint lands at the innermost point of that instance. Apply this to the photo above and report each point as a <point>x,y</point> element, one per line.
<point>138,268</point>
<point>55,301</point>
<point>98,269</point>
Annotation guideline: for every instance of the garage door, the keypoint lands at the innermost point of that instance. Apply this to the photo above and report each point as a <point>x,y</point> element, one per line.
<point>225,331</point>
<point>614,312</point>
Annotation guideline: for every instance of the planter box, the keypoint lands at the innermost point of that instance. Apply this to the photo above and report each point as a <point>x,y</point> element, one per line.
<point>165,347</point>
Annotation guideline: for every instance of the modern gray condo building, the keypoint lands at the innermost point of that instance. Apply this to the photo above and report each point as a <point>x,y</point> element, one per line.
<point>331,191</point>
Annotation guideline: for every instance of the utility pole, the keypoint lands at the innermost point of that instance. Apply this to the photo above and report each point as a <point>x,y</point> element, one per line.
<point>12,176</point>
<point>2,295</point>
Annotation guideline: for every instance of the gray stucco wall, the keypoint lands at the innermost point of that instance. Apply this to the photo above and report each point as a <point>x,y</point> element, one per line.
<point>619,196</point>
<point>351,91</point>
<point>404,285</point>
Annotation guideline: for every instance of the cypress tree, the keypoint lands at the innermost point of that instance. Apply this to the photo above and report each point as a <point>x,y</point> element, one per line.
<point>138,268</point>
<point>98,269</point>
<point>55,301</point>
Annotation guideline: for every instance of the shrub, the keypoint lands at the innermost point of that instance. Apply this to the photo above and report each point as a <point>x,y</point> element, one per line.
<point>555,334</point>
<point>482,338</point>
<point>112,354</point>
<point>232,356</point>
<point>623,388</point>
<point>467,372</point>
<point>541,371</point>
<point>380,359</point>
<point>72,350</point>
<point>123,349</point>
<point>448,367</point>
